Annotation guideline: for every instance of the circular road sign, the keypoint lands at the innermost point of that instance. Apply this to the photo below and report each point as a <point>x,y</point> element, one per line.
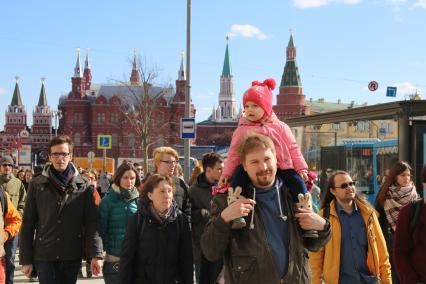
<point>91,156</point>
<point>373,86</point>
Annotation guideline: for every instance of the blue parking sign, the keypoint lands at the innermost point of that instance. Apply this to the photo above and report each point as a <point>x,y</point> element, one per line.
<point>391,92</point>
<point>104,141</point>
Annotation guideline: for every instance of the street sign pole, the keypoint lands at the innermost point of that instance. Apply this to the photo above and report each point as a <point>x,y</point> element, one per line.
<point>104,161</point>
<point>187,147</point>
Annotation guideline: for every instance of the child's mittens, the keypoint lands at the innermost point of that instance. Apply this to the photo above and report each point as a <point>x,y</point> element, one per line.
<point>223,180</point>
<point>305,201</point>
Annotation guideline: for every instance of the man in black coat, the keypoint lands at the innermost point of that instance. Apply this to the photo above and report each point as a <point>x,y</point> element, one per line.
<point>60,213</point>
<point>200,196</point>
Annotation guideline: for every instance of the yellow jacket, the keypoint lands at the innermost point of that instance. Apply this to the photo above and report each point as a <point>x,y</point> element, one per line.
<point>325,264</point>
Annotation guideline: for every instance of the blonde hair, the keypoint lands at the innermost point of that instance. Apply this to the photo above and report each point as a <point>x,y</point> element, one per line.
<point>158,153</point>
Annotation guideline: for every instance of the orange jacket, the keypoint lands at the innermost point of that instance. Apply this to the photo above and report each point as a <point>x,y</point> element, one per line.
<point>12,220</point>
<point>325,264</point>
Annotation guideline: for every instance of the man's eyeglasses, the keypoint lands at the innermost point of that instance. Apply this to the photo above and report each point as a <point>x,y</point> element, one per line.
<point>170,162</point>
<point>7,165</point>
<point>346,185</point>
<point>139,169</point>
<point>57,155</point>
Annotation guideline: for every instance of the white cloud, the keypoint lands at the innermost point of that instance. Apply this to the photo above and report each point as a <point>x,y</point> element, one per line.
<point>406,88</point>
<point>246,31</point>
<point>305,4</point>
<point>3,91</point>
<point>420,4</point>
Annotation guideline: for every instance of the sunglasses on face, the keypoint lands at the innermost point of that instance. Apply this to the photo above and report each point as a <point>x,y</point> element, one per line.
<point>7,165</point>
<point>346,185</point>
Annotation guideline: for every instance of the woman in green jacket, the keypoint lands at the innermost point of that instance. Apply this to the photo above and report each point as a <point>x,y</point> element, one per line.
<point>115,208</point>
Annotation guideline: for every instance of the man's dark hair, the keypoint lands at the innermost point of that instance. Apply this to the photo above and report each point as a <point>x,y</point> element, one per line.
<point>120,172</point>
<point>61,139</point>
<point>210,159</point>
<point>136,165</point>
<point>252,142</point>
<point>328,197</point>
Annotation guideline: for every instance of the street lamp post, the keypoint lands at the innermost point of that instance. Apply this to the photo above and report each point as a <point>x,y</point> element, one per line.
<point>56,115</point>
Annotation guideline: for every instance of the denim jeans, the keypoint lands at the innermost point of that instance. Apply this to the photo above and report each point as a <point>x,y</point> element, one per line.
<point>10,247</point>
<point>58,272</point>
<point>110,270</point>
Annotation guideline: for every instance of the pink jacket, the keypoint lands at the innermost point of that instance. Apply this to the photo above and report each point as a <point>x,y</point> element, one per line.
<point>288,152</point>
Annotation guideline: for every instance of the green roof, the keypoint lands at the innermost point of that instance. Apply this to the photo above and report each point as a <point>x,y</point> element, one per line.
<point>42,101</point>
<point>226,72</point>
<point>16,99</point>
<point>321,107</point>
<point>291,77</point>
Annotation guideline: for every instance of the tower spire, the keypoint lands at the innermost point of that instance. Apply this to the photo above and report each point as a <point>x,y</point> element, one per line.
<point>42,101</point>
<point>77,69</point>
<point>135,79</point>
<point>16,99</point>
<point>291,77</point>
<point>87,72</point>
<point>226,64</point>
<point>181,73</point>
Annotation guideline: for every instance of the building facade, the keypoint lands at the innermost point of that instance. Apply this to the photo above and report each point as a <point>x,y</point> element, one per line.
<point>123,111</point>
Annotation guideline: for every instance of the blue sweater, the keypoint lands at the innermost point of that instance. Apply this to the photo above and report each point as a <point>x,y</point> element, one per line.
<point>276,228</point>
<point>114,212</point>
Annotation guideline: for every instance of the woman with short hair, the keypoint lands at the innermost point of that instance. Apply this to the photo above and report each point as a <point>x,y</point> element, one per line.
<point>157,247</point>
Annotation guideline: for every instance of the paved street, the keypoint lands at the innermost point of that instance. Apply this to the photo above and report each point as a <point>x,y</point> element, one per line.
<point>20,278</point>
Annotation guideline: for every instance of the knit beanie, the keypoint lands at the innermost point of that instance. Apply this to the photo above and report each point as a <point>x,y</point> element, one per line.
<point>261,94</point>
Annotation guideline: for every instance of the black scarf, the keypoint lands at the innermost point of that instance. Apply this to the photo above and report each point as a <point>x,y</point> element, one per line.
<point>61,180</point>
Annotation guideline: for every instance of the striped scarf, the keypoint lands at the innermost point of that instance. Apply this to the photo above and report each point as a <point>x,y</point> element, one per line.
<point>396,198</point>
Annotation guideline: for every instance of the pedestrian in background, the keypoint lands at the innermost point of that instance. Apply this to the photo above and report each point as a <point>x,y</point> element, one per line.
<point>60,217</point>
<point>157,247</point>
<point>200,195</point>
<point>115,209</point>
<point>397,191</point>
<point>165,161</point>
<point>410,240</point>
<point>16,190</point>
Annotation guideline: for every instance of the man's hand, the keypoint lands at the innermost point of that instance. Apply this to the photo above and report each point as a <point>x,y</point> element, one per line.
<point>96,265</point>
<point>239,208</point>
<point>27,269</point>
<point>309,220</point>
<point>205,212</point>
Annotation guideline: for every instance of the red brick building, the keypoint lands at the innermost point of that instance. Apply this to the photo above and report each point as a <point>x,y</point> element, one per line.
<point>92,109</point>
<point>17,136</point>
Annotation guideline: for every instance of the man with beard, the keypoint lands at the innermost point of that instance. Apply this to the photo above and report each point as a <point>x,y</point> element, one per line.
<point>357,251</point>
<point>60,218</point>
<point>200,196</point>
<point>16,190</point>
<point>271,249</point>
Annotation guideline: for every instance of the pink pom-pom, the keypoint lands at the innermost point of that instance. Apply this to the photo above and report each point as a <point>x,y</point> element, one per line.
<point>270,83</point>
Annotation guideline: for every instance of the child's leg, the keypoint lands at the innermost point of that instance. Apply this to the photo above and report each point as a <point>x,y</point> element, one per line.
<point>294,182</point>
<point>240,178</point>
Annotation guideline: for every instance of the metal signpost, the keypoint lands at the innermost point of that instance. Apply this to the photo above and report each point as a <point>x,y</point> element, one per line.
<point>104,143</point>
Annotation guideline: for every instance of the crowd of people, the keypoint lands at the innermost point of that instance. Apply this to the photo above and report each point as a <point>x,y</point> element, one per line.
<point>257,217</point>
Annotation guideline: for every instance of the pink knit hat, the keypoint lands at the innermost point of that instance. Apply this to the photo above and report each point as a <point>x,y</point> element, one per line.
<point>261,94</point>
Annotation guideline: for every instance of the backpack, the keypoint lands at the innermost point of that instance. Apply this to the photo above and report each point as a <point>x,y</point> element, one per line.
<point>415,210</point>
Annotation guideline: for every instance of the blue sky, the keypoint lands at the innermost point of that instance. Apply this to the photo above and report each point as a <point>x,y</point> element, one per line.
<point>341,45</point>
